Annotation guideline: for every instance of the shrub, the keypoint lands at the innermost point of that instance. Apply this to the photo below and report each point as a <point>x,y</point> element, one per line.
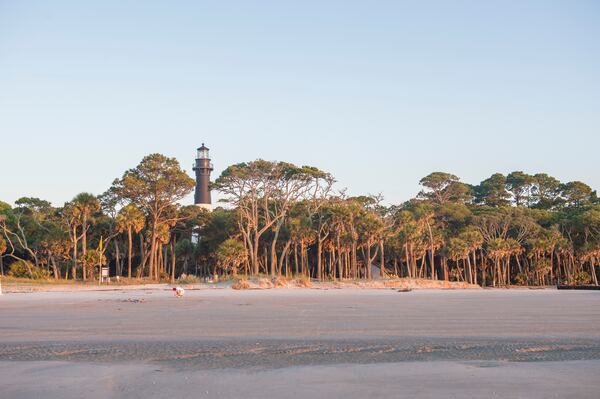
<point>303,282</point>
<point>279,282</point>
<point>164,276</point>
<point>231,254</point>
<point>265,283</point>
<point>581,278</point>
<point>521,279</point>
<point>21,269</point>
<point>241,285</point>
<point>188,279</point>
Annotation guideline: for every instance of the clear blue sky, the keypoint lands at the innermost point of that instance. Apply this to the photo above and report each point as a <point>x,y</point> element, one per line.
<point>379,93</point>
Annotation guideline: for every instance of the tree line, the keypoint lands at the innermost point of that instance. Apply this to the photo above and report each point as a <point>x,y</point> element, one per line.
<point>280,219</point>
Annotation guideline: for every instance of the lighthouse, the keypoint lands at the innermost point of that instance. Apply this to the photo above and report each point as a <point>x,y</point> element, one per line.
<point>203,167</point>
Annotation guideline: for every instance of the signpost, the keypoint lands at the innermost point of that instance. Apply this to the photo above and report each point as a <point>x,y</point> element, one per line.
<point>103,275</point>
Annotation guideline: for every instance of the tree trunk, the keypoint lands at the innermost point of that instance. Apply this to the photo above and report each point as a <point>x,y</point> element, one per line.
<point>431,252</point>
<point>173,260</point>
<point>152,252</point>
<point>84,247</point>
<point>551,266</point>
<point>255,256</point>
<point>474,267</point>
<point>319,255</point>
<point>332,262</point>
<point>296,258</point>
<point>129,252</point>
<point>283,256</point>
<point>483,272</point>
<point>423,268</point>
<point>406,255</point>
<point>54,267</point>
<point>483,268</point>
<point>164,252</point>
<point>443,268</point>
<point>340,263</point>
<point>470,269</point>
<point>74,265</point>
<point>382,258</point>
<point>354,259</point>
<point>117,259</point>
<point>368,262</point>
<point>287,265</point>
<point>143,258</point>
<point>508,272</point>
<point>304,258</point>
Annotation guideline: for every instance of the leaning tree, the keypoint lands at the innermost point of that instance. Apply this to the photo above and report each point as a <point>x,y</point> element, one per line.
<point>263,192</point>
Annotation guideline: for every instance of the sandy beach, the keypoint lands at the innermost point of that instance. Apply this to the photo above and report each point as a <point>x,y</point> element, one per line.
<point>300,343</point>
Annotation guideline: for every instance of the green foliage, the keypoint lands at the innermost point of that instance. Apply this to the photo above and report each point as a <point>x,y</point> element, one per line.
<point>4,206</point>
<point>521,279</point>
<point>520,185</point>
<point>130,217</point>
<point>457,249</point>
<point>443,187</point>
<point>87,205</point>
<point>545,191</point>
<point>580,278</point>
<point>576,194</point>
<point>34,205</point>
<point>492,191</point>
<point>188,279</point>
<point>221,224</point>
<point>286,219</point>
<point>154,184</point>
<point>24,269</point>
<point>94,258</point>
<point>230,255</point>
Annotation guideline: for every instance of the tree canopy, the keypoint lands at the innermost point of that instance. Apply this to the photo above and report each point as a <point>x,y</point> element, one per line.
<point>282,219</point>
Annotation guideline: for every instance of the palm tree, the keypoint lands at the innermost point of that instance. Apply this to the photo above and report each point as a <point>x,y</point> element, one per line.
<point>590,253</point>
<point>513,248</point>
<point>474,240</point>
<point>497,251</point>
<point>88,205</point>
<point>71,217</point>
<point>458,250</point>
<point>302,234</point>
<point>130,219</point>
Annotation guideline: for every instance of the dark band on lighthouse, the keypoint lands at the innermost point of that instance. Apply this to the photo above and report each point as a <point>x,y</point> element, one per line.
<point>203,167</point>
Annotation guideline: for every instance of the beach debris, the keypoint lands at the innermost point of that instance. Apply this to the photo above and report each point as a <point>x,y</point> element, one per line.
<point>179,292</point>
<point>426,349</point>
<point>405,290</point>
<point>134,300</point>
<point>279,282</point>
<point>241,285</point>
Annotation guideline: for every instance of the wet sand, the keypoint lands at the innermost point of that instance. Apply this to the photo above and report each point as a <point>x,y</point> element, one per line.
<point>300,343</point>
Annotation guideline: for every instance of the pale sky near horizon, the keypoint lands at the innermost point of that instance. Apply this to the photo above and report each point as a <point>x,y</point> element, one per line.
<point>379,93</point>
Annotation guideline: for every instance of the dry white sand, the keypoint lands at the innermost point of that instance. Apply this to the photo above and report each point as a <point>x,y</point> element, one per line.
<point>300,343</point>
